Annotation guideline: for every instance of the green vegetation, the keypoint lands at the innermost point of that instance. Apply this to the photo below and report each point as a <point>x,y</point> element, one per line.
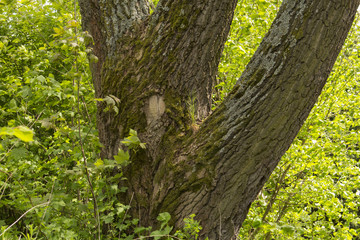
<point>51,176</point>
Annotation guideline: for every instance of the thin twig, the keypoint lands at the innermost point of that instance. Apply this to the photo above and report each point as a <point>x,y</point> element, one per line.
<point>22,217</point>
<point>132,196</point>
<point>4,186</point>
<point>22,187</point>
<point>272,199</point>
<point>51,194</point>
<point>96,210</point>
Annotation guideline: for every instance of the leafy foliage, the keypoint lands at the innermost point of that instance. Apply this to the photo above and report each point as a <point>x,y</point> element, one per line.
<point>45,85</point>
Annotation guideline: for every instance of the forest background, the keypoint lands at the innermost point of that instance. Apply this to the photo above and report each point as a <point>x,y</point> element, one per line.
<point>51,176</point>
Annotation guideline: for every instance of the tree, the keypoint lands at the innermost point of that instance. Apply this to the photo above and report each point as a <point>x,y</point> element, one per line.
<point>159,69</point>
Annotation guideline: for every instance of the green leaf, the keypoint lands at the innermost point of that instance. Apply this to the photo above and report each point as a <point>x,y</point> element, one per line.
<point>6,131</point>
<point>122,157</point>
<point>164,218</point>
<point>41,79</point>
<point>99,163</point>
<point>58,31</point>
<point>12,104</point>
<point>108,218</point>
<point>93,58</point>
<point>130,237</point>
<point>24,133</point>
<point>140,229</point>
<point>288,229</point>
<point>133,140</point>
<point>257,222</point>
<point>156,234</point>
<point>120,210</point>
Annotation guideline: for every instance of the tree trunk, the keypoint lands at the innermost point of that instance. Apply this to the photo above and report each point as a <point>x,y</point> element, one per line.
<point>162,67</point>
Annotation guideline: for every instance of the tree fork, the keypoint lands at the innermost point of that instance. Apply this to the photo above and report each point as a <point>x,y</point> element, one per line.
<point>156,64</point>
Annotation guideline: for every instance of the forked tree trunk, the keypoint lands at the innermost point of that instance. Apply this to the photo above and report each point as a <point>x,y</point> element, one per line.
<point>162,67</point>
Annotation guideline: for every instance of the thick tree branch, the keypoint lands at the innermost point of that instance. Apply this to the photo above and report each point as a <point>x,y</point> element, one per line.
<point>93,24</point>
<point>227,162</point>
<point>119,18</point>
<point>107,21</point>
<point>112,18</point>
<point>194,33</point>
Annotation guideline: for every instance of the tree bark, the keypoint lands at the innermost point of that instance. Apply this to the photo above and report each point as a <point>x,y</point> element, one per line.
<point>162,67</point>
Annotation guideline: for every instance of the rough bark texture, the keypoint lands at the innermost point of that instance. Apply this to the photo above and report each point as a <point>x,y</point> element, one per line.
<point>162,66</point>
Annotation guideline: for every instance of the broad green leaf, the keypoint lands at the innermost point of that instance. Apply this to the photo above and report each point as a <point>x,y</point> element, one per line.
<point>13,104</point>
<point>122,157</point>
<point>24,133</point>
<point>288,229</point>
<point>99,163</point>
<point>257,222</point>
<point>164,218</point>
<point>6,131</point>
<point>157,234</point>
<point>58,31</point>
<point>41,79</point>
